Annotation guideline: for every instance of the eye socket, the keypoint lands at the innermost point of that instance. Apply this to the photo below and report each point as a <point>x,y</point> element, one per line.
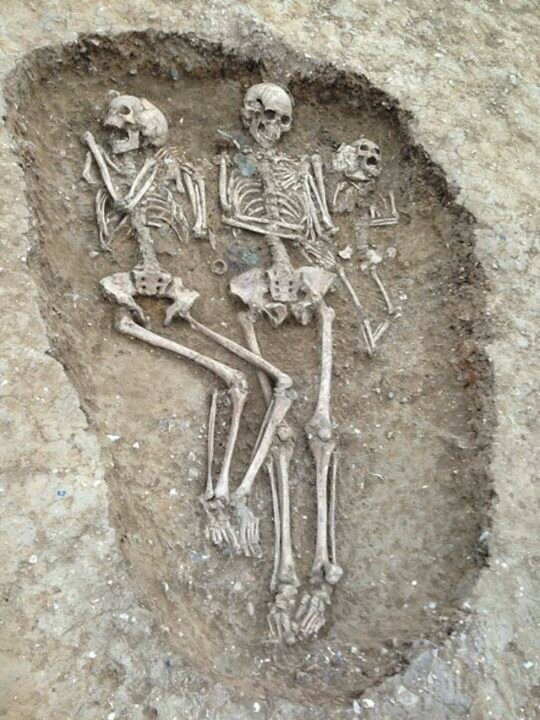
<point>285,119</point>
<point>364,147</point>
<point>269,114</point>
<point>376,151</point>
<point>124,110</point>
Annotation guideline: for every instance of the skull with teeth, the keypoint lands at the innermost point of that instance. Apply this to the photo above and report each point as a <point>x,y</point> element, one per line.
<point>360,161</point>
<point>138,121</point>
<point>267,113</point>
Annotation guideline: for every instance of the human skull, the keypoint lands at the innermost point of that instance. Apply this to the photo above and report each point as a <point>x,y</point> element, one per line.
<point>137,118</point>
<point>360,161</point>
<point>267,113</point>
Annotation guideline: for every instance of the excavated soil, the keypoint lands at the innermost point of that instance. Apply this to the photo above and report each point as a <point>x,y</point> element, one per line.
<point>413,423</point>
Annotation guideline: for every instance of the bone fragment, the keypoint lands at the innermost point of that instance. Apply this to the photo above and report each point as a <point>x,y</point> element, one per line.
<point>277,524</point>
<point>209,494</point>
<point>238,395</point>
<point>87,169</point>
<point>379,332</point>
<point>389,304</point>
<point>96,152</point>
<point>150,163</point>
<point>346,253</point>
<point>318,169</point>
<point>136,199</point>
<point>192,198</point>
<point>332,509</point>
<point>248,328</point>
<point>202,201</point>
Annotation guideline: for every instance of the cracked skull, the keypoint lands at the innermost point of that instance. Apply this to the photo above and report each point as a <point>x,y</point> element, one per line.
<point>267,113</point>
<point>360,161</point>
<point>135,122</point>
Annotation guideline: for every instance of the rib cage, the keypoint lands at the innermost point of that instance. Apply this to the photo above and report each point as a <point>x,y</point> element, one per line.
<point>284,199</point>
<point>161,203</point>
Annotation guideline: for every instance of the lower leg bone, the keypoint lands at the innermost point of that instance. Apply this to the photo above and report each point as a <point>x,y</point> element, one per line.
<point>277,524</point>
<point>324,573</point>
<point>220,531</point>
<point>238,398</point>
<point>282,399</point>
<point>284,580</point>
<point>332,520</point>
<point>209,494</point>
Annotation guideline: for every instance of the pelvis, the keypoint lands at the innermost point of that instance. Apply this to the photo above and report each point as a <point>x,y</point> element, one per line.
<point>278,294</point>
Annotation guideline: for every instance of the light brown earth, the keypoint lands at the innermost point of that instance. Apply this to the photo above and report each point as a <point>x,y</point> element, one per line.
<point>114,601</point>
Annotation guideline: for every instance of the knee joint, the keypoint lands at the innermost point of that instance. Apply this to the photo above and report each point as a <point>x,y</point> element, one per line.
<point>320,427</point>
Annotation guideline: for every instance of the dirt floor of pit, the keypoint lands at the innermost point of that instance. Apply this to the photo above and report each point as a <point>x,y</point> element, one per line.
<point>412,491</point>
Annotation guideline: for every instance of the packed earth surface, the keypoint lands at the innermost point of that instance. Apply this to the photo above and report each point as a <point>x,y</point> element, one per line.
<point>115,603</point>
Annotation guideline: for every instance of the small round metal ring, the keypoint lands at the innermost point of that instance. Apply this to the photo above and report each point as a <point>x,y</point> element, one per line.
<point>219,267</point>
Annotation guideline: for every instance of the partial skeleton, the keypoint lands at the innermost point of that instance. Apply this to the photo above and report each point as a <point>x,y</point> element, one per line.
<point>163,192</point>
<point>284,199</point>
<point>358,167</point>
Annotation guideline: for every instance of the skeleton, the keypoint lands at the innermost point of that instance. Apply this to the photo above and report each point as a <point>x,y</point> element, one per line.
<point>358,166</point>
<point>284,199</point>
<point>153,199</point>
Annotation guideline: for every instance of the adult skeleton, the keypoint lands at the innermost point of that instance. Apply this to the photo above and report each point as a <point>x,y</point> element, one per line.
<point>153,198</point>
<point>284,199</point>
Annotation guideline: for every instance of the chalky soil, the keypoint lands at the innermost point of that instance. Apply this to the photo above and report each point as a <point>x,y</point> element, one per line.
<point>413,496</point>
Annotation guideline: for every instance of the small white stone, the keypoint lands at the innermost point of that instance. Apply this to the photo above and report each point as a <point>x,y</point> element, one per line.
<point>113,438</point>
<point>136,445</point>
<point>346,253</point>
<point>368,703</point>
<point>92,654</point>
<point>406,697</point>
<point>256,707</point>
<point>33,559</point>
